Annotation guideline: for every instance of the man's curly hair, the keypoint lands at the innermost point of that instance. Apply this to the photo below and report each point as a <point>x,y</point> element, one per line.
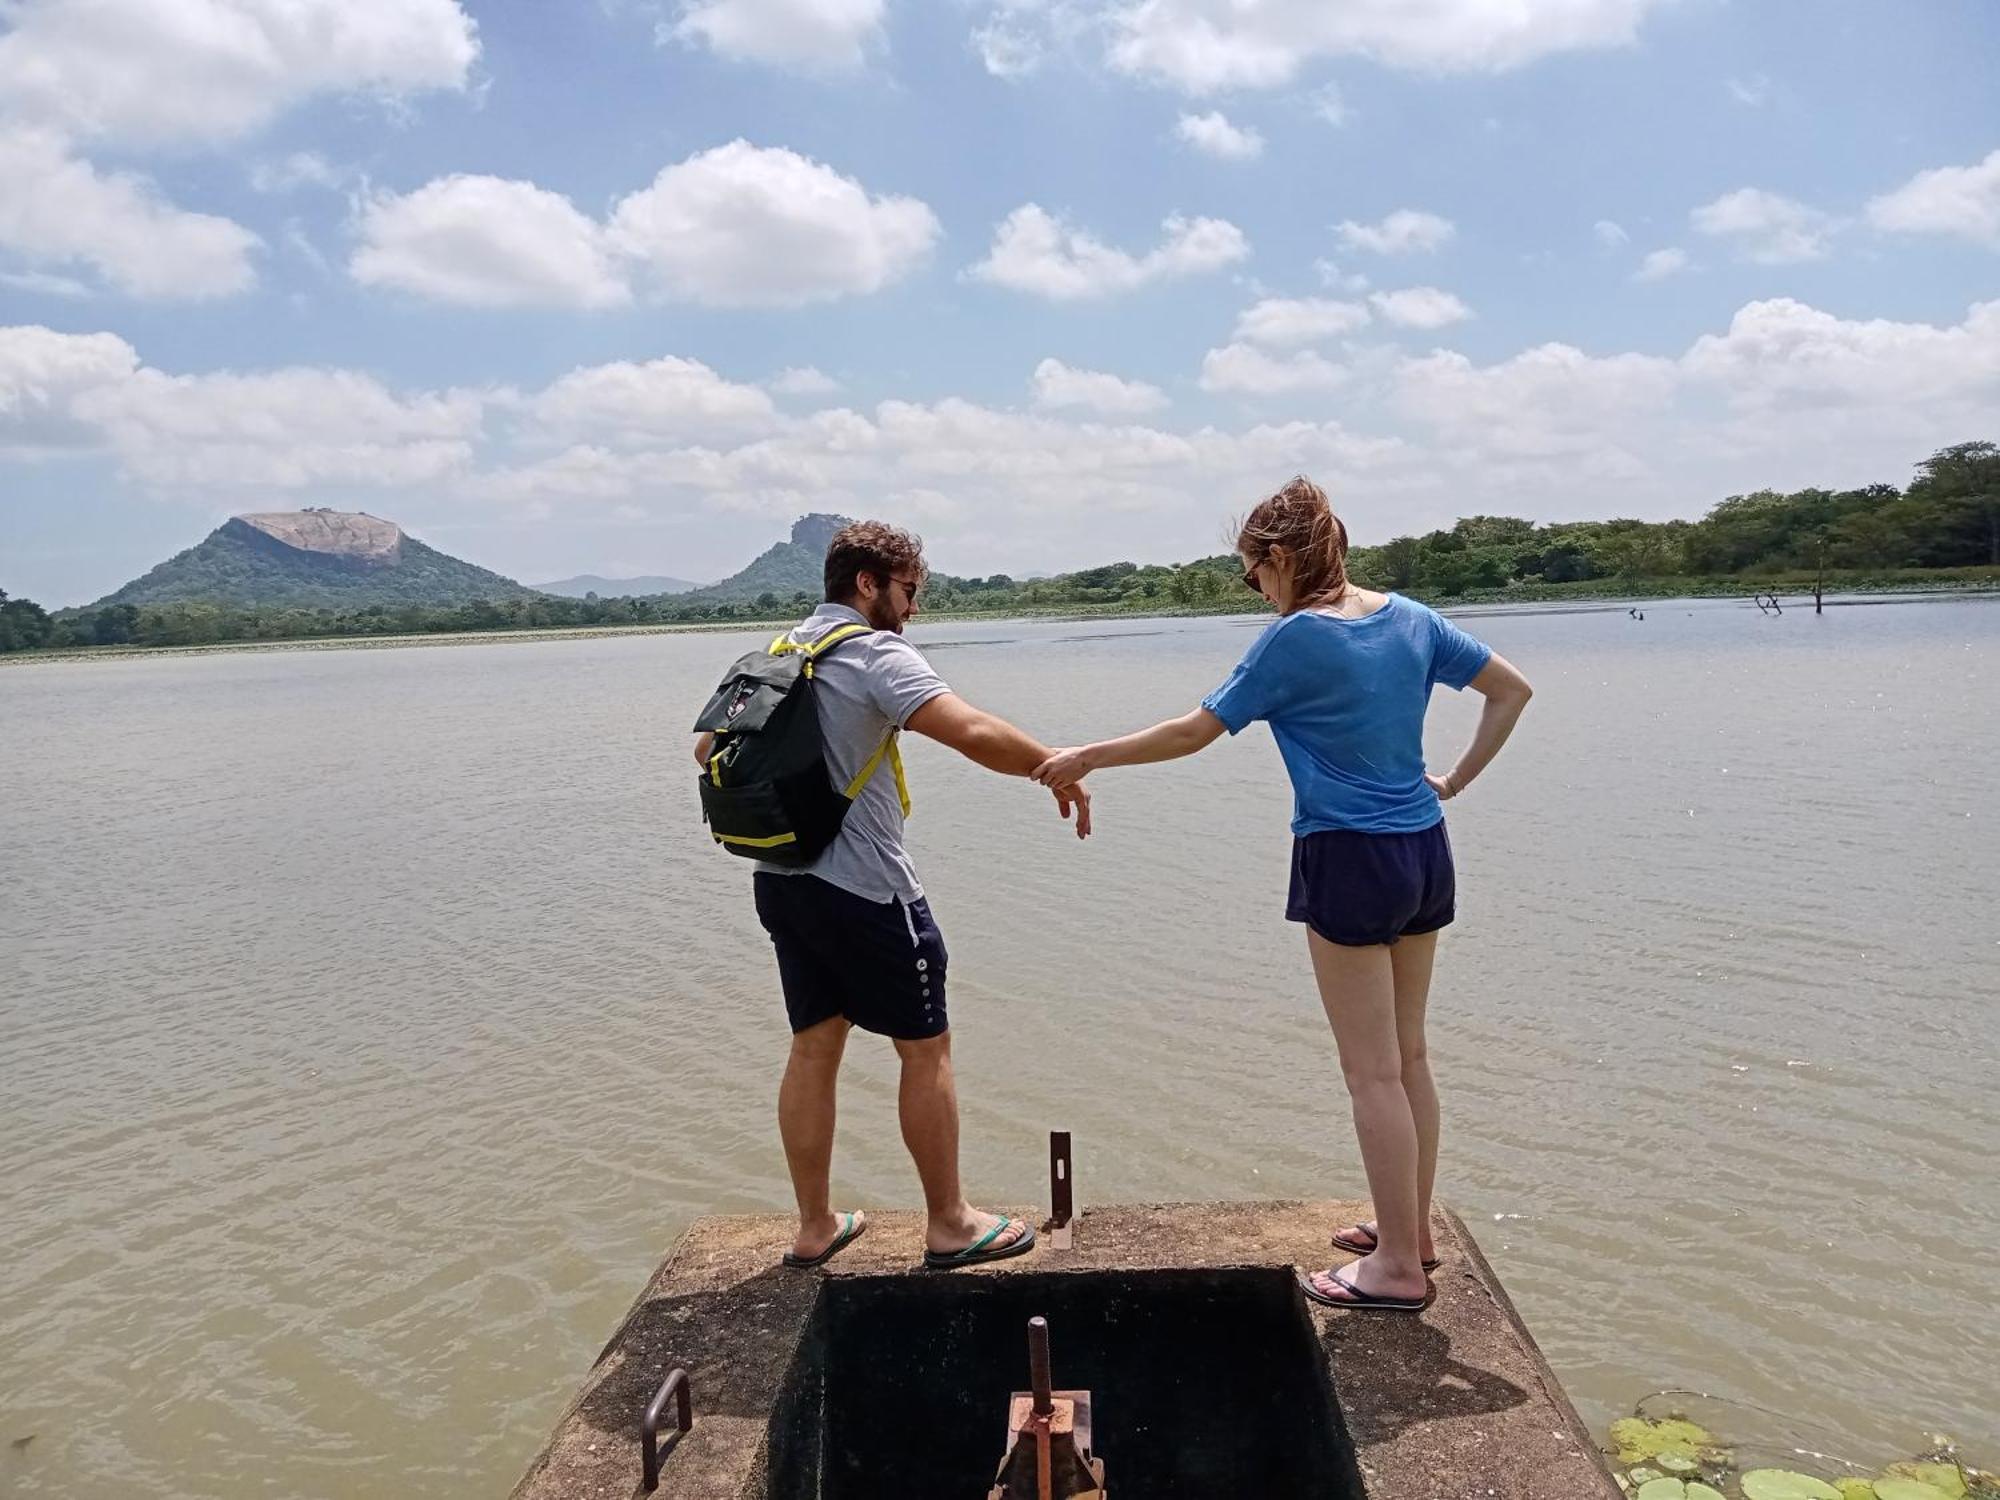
<point>871,547</point>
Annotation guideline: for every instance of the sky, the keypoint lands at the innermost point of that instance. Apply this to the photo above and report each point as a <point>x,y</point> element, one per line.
<point>624,286</point>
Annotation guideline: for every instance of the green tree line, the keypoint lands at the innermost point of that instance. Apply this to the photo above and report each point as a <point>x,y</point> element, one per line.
<point>1948,518</point>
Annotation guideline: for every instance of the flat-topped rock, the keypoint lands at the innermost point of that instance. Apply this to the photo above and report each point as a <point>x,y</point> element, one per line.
<point>1211,1373</point>
<point>336,533</point>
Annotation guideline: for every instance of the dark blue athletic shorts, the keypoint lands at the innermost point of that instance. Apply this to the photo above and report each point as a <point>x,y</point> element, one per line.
<point>1358,889</point>
<point>879,963</point>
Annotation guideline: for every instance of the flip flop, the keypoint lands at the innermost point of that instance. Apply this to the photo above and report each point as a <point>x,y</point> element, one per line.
<point>1368,1301</point>
<point>1359,1247</point>
<point>983,1248</point>
<point>852,1227</point>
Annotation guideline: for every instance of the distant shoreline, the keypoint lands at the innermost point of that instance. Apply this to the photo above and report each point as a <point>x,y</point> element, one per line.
<point>1790,594</point>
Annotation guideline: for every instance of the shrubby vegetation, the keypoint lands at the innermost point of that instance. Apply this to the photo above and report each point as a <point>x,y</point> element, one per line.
<point>1948,519</point>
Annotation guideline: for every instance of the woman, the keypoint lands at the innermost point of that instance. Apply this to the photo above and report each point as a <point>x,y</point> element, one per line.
<point>1344,677</point>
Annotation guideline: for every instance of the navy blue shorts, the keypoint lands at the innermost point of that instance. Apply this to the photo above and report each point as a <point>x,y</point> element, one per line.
<point>1358,889</point>
<point>878,963</point>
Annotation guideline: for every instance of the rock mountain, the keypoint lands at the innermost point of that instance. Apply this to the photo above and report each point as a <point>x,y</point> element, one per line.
<point>314,559</point>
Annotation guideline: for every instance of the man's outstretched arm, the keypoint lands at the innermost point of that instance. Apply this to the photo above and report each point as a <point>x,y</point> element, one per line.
<point>989,740</point>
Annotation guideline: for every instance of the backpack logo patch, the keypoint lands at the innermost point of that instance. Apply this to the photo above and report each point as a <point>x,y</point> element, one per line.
<point>741,701</point>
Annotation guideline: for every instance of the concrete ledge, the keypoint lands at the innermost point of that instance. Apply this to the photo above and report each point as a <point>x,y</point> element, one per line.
<point>1457,1402</point>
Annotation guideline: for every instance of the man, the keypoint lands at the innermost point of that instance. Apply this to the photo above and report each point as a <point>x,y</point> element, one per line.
<point>855,941</point>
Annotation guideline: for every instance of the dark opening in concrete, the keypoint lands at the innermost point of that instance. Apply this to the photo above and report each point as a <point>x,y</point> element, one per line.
<point>1206,1383</point>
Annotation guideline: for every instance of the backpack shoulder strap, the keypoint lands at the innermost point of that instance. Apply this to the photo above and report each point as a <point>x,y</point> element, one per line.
<point>888,750</point>
<point>784,645</point>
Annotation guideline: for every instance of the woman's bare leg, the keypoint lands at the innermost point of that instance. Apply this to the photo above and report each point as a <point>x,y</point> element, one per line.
<point>1410,961</point>
<point>1358,990</point>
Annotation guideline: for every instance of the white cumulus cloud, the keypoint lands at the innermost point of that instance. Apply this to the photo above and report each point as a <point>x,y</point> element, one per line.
<point>1407,231</point>
<point>57,209</point>
<point>1547,402</point>
<point>1963,202</point>
<point>281,429</point>
<point>1782,354</point>
<point>1213,135</point>
<point>1034,251</point>
<point>1057,385</point>
<point>749,226</point>
<point>1250,371</point>
<point>42,372</point>
<point>1765,227</point>
<point>1420,307</point>
<point>654,404</point>
<point>738,226</point>
<point>1660,264</point>
<point>487,242</point>
<point>812,35</point>
<point>1202,46</point>
<point>154,71</point>
<point>1287,321</point>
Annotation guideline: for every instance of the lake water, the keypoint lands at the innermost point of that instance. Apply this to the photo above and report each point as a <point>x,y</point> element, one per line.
<point>372,1021</point>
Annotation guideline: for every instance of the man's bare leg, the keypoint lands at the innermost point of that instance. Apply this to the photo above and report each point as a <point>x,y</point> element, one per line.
<point>805,1121</point>
<point>927,1103</point>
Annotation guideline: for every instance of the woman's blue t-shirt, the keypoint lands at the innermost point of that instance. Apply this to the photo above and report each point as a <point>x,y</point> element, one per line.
<point>1345,699</point>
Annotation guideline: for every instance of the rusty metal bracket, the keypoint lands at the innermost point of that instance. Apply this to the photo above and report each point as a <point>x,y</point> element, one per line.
<point>1048,1436</point>
<point>651,1454</point>
<point>1062,1189</point>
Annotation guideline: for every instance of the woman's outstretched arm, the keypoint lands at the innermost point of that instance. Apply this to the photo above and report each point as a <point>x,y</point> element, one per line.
<point>1506,692</point>
<point>1169,740</point>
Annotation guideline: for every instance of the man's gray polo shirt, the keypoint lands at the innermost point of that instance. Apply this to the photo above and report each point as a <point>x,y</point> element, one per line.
<point>865,687</point>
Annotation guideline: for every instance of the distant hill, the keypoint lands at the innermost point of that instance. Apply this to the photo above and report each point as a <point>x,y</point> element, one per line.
<point>788,568</point>
<point>615,588</point>
<point>314,559</point>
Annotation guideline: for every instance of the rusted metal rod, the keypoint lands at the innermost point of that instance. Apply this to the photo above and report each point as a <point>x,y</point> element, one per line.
<point>1038,1366</point>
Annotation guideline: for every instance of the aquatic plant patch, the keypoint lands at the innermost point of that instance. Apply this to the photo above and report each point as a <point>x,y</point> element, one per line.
<point>1671,1457</point>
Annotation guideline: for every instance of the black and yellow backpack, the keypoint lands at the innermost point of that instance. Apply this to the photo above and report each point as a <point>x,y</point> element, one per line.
<point>766,791</point>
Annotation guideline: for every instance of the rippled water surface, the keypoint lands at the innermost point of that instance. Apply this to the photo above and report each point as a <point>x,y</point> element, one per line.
<point>371,1021</point>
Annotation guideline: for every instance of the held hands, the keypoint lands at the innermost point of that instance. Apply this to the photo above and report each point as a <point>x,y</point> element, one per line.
<point>1062,773</point>
<point>1068,797</point>
<point>1063,768</point>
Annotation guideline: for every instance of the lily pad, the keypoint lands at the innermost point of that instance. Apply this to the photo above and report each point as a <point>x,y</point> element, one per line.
<point>1663,1489</point>
<point>1678,1463</point>
<point>1639,1440</point>
<point>1854,1488</point>
<point>1785,1484</point>
<point>1699,1491</point>
<point>1644,1474</point>
<point>1893,1488</point>
<point>1939,1476</point>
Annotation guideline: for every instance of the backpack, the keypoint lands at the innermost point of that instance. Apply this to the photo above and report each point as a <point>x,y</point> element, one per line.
<point>766,791</point>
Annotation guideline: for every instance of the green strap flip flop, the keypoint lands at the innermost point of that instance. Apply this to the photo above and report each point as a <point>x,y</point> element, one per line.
<point>852,1227</point>
<point>983,1249</point>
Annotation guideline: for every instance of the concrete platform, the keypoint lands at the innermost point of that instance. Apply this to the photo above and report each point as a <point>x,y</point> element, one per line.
<point>1455,1403</point>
